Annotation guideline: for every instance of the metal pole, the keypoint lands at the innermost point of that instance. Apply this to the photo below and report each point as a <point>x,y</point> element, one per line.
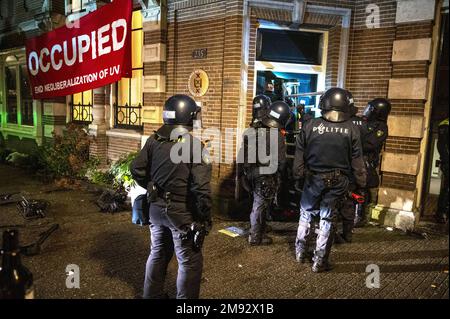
<point>306,94</point>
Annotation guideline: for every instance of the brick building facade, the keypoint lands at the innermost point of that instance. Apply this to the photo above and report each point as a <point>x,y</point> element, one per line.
<point>379,48</point>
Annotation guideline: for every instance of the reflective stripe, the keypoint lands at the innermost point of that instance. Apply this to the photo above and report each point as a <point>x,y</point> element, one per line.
<point>169,115</point>
<point>275,114</point>
<point>444,122</point>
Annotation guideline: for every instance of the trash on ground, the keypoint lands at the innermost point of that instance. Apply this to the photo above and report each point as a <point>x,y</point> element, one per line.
<point>35,248</point>
<point>32,208</point>
<point>7,198</point>
<point>233,231</point>
<point>389,229</point>
<point>433,286</point>
<point>240,266</point>
<point>374,224</point>
<point>112,201</point>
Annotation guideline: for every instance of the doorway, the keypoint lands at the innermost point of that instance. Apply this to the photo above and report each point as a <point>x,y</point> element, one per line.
<point>439,111</point>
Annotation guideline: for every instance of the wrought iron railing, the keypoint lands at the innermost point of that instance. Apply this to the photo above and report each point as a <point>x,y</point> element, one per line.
<point>26,111</point>
<point>128,117</point>
<point>81,113</point>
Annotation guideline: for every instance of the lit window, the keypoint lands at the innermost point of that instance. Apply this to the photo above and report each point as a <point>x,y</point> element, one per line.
<point>19,102</point>
<point>81,107</point>
<point>11,94</point>
<point>129,90</point>
<point>77,5</point>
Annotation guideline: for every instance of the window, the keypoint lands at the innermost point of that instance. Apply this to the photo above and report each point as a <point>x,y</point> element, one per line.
<point>288,84</point>
<point>26,100</point>
<point>81,107</point>
<point>19,102</point>
<point>11,94</point>
<point>129,90</point>
<point>78,5</point>
<point>289,46</point>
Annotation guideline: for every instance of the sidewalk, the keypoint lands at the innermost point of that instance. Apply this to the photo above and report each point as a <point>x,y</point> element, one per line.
<point>111,253</point>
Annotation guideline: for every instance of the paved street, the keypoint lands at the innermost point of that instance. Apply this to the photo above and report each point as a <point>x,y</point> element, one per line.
<point>111,253</point>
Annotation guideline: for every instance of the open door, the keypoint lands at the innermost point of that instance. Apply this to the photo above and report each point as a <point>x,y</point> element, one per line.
<point>440,108</point>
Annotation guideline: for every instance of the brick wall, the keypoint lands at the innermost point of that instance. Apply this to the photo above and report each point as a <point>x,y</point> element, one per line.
<point>215,25</point>
<point>118,146</point>
<point>404,145</point>
<point>369,65</point>
<point>334,37</point>
<point>398,181</point>
<point>407,69</point>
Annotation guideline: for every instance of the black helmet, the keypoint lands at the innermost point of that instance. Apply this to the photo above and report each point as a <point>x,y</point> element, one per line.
<point>179,114</point>
<point>278,115</point>
<point>377,109</point>
<point>261,104</point>
<point>180,110</point>
<point>335,105</point>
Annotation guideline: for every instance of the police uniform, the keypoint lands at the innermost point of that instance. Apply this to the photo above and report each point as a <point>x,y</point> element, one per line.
<point>349,207</point>
<point>180,196</point>
<point>442,145</point>
<point>374,133</point>
<point>328,151</point>
<point>263,180</point>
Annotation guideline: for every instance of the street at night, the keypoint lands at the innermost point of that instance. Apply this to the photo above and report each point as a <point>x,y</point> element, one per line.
<point>111,253</point>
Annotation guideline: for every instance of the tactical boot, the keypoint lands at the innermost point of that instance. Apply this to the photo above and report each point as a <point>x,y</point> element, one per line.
<point>359,223</point>
<point>339,239</point>
<point>303,257</point>
<point>259,240</point>
<point>347,232</point>
<point>320,265</point>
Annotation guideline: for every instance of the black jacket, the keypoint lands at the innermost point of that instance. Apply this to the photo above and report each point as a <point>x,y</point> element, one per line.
<point>187,181</point>
<point>248,159</point>
<point>323,146</point>
<point>374,134</point>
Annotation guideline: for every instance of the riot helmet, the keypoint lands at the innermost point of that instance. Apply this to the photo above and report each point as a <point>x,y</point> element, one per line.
<point>335,105</point>
<point>278,115</point>
<point>179,113</point>
<point>377,110</point>
<point>181,110</point>
<point>260,106</point>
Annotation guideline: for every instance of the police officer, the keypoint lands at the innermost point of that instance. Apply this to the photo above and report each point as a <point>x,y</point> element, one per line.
<point>442,145</point>
<point>262,174</point>
<point>269,91</point>
<point>180,198</point>
<point>353,198</point>
<point>328,151</point>
<point>374,133</point>
<point>260,106</point>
